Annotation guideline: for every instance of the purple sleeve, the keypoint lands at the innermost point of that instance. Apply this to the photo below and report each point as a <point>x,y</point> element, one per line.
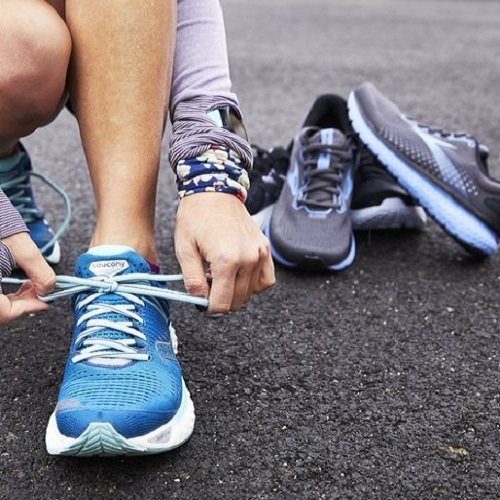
<point>11,223</point>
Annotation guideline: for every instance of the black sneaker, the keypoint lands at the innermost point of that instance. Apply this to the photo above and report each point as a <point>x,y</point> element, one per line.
<point>446,173</point>
<point>379,202</point>
<point>266,182</point>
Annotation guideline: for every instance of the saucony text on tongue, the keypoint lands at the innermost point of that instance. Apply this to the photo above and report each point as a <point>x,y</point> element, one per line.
<point>108,267</point>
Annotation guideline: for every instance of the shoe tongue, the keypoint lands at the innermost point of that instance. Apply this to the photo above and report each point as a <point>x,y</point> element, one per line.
<point>328,136</point>
<point>110,260</point>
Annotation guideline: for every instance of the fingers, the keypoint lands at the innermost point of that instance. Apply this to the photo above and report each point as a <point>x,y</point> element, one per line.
<point>216,229</point>
<point>223,286</point>
<point>31,261</point>
<point>23,302</point>
<point>242,288</point>
<point>267,277</point>
<point>234,283</point>
<point>193,271</point>
<point>42,279</point>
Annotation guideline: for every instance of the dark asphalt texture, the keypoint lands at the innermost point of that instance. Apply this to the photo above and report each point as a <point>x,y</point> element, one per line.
<point>377,382</point>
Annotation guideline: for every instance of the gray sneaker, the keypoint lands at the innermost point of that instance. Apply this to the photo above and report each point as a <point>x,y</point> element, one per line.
<point>446,173</point>
<point>310,227</point>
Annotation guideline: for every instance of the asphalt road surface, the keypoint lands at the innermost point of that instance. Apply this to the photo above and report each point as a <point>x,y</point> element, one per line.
<point>377,382</point>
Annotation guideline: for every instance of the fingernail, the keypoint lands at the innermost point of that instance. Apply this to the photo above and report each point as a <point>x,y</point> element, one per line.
<point>216,315</point>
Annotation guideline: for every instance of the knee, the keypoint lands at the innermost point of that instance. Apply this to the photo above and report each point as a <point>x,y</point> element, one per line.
<point>34,56</point>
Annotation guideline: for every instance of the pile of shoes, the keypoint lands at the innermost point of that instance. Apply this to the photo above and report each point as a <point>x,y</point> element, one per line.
<point>364,165</point>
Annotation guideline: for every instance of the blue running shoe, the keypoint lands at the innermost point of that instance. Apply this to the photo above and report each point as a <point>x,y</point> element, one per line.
<point>446,173</point>
<point>310,226</point>
<point>16,184</point>
<point>122,391</point>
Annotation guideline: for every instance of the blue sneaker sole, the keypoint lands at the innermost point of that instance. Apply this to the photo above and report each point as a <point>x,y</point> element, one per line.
<point>54,255</point>
<point>470,231</point>
<point>101,439</point>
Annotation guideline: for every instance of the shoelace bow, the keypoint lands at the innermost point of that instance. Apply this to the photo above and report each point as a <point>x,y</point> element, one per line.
<point>323,187</point>
<point>134,291</point>
<point>18,187</point>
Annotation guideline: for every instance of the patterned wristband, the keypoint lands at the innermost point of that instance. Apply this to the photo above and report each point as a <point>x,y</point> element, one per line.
<point>217,170</point>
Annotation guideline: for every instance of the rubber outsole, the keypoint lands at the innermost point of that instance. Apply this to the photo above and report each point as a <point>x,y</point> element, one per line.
<point>101,439</point>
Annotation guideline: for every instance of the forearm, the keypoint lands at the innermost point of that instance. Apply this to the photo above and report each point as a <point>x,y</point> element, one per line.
<point>209,150</point>
<point>201,67</point>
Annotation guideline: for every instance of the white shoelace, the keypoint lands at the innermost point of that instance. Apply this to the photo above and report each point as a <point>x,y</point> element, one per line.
<point>135,292</point>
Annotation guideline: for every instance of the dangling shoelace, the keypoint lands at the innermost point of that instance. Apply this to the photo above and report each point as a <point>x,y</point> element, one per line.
<point>18,186</point>
<point>134,292</point>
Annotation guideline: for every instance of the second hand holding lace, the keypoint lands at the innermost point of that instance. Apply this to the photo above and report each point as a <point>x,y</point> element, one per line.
<point>130,283</point>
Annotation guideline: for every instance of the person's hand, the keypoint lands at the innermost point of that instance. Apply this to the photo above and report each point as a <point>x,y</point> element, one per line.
<point>215,230</point>
<point>40,274</point>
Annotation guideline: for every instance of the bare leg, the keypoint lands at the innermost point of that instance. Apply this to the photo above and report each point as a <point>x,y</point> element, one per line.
<point>35,50</point>
<point>119,87</point>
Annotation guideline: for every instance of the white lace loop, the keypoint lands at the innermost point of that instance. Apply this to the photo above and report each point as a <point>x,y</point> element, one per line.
<point>112,285</point>
<point>121,338</point>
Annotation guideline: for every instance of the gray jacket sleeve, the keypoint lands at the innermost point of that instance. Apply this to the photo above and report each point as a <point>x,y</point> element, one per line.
<point>11,223</point>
